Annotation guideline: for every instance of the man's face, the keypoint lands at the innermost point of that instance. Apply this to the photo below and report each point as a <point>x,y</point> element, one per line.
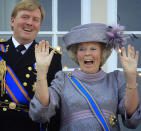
<point>26,25</point>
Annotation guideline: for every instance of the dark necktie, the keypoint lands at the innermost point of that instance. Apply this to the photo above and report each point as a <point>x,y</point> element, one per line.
<point>20,48</point>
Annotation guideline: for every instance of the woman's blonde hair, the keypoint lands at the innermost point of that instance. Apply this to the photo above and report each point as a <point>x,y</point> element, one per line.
<point>106,52</point>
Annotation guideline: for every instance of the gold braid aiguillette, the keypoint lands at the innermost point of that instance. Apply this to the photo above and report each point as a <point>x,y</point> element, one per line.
<point>2,76</point>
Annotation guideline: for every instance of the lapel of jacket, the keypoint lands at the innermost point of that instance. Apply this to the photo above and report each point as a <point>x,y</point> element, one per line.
<point>28,58</point>
<point>11,54</point>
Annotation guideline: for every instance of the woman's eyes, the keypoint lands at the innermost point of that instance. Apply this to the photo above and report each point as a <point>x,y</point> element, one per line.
<point>84,49</point>
<point>92,48</point>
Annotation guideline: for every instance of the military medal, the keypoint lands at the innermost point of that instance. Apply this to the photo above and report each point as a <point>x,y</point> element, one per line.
<point>12,105</point>
<point>113,120</point>
<point>2,76</point>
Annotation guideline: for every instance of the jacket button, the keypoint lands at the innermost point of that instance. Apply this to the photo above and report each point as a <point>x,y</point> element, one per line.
<point>24,83</point>
<point>30,68</point>
<point>5,100</point>
<point>4,109</point>
<point>27,75</point>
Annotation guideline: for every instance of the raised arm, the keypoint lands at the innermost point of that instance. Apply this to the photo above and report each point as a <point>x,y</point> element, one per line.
<point>43,60</point>
<point>129,61</point>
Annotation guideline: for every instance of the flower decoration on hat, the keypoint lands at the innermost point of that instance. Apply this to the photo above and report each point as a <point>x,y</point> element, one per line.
<point>115,35</point>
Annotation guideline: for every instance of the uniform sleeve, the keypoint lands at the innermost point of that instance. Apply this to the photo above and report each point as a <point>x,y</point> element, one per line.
<point>55,66</point>
<point>43,114</point>
<point>135,119</point>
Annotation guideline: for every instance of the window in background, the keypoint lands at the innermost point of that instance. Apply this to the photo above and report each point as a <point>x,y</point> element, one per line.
<point>126,13</point>
<point>72,17</point>
<point>61,16</point>
<point>47,22</point>
<point>129,13</point>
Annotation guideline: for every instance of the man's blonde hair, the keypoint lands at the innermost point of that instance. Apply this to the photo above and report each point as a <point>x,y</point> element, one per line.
<point>29,5</point>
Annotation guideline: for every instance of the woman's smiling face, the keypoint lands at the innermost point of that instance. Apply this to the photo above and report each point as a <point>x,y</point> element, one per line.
<point>89,57</point>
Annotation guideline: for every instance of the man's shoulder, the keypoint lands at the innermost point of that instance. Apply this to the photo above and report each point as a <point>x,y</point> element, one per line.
<point>2,41</point>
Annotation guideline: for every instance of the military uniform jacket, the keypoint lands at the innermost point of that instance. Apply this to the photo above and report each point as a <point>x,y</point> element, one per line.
<point>23,67</point>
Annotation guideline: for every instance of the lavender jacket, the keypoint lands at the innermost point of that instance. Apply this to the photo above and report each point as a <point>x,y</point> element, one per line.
<point>107,88</point>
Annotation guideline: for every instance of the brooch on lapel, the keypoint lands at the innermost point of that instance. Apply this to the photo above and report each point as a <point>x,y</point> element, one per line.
<point>113,120</point>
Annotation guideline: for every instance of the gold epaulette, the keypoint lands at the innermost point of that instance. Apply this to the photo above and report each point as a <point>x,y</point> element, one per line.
<point>56,51</point>
<point>2,40</point>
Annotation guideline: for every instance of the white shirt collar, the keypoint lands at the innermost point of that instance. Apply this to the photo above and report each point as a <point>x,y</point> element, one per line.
<point>16,43</point>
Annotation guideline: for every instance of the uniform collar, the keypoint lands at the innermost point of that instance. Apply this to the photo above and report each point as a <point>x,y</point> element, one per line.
<point>16,43</point>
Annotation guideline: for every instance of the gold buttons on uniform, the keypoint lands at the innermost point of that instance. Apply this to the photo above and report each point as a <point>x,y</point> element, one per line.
<point>27,75</point>
<point>6,100</point>
<point>12,105</point>
<point>4,109</point>
<point>24,83</point>
<point>30,68</point>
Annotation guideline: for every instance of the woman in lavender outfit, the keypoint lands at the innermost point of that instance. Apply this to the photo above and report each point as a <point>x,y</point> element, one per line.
<point>89,99</point>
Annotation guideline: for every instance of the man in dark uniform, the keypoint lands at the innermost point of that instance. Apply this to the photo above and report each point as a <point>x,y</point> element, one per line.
<point>18,68</point>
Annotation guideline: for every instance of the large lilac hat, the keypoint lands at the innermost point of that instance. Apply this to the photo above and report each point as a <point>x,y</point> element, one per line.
<point>96,32</point>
